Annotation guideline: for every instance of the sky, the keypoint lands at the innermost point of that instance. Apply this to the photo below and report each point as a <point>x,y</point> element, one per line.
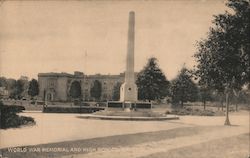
<point>91,36</point>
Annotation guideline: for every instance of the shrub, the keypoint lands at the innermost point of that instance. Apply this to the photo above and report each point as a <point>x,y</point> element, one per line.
<point>85,104</point>
<point>33,102</point>
<point>10,119</point>
<point>102,104</point>
<point>190,111</point>
<point>71,109</point>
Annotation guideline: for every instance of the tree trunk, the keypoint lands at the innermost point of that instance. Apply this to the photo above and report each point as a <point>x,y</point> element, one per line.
<point>236,94</point>
<point>204,104</point>
<point>237,99</point>
<point>221,100</point>
<point>221,104</point>
<point>181,104</point>
<point>227,122</point>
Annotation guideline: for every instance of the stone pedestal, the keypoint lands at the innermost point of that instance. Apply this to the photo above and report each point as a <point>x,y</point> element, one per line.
<point>128,92</point>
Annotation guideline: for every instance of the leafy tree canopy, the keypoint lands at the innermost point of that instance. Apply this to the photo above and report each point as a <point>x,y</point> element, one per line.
<point>33,88</point>
<point>183,89</point>
<point>151,81</point>
<point>18,88</point>
<point>223,57</point>
<point>3,82</point>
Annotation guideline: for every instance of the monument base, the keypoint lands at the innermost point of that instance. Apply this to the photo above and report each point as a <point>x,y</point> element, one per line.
<point>130,111</point>
<point>129,118</point>
<point>128,91</point>
<point>129,105</point>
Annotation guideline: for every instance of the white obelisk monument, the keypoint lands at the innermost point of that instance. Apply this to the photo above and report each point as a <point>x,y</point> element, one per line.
<point>128,90</point>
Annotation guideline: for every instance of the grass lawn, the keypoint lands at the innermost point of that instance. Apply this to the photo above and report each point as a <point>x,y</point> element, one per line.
<point>233,147</point>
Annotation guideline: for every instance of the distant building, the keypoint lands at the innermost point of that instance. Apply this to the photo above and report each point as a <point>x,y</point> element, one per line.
<point>56,86</point>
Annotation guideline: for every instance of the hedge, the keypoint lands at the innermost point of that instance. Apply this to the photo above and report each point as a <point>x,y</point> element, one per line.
<point>52,109</point>
<point>115,104</point>
<point>143,105</point>
<point>138,105</point>
<point>10,119</point>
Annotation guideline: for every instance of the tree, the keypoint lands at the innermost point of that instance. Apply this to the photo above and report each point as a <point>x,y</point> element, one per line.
<point>15,87</point>
<point>33,88</point>
<point>96,90</point>
<point>116,91</point>
<point>223,57</point>
<point>75,90</point>
<point>11,84</point>
<point>183,89</point>
<point>236,90</point>
<point>18,89</point>
<point>3,82</point>
<point>244,97</point>
<point>151,81</point>
<point>205,95</point>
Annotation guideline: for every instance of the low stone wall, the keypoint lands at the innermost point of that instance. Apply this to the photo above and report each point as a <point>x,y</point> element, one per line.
<point>137,105</point>
<point>115,104</point>
<point>82,109</point>
<point>143,105</point>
